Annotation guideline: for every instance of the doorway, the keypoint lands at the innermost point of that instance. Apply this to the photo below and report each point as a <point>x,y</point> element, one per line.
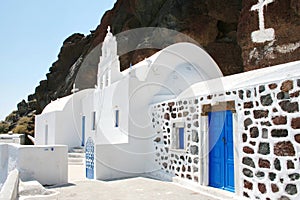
<point>221,150</point>
<point>89,158</point>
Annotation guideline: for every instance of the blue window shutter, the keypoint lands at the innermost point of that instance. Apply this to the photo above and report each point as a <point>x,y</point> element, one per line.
<point>117,118</point>
<point>94,121</point>
<point>181,138</point>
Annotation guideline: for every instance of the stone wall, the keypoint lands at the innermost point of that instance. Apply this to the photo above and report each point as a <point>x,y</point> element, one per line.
<point>270,140</point>
<point>268,132</point>
<point>182,163</point>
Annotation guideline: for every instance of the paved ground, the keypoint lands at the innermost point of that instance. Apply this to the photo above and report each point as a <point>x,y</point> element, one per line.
<point>76,173</point>
<point>126,189</point>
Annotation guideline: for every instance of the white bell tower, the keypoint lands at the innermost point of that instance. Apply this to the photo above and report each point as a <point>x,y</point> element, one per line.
<point>109,65</point>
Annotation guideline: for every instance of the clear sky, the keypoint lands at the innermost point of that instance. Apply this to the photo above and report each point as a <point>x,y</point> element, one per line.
<point>31,34</point>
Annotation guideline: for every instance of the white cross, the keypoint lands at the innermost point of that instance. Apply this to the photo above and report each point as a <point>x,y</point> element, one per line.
<point>74,89</point>
<point>262,34</point>
<point>260,8</point>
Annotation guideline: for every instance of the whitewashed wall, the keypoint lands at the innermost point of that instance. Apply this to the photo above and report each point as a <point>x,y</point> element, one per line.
<point>64,126</point>
<point>107,102</point>
<point>3,163</point>
<point>87,109</point>
<point>49,166</point>
<point>46,164</point>
<point>129,150</point>
<point>69,124</point>
<point>40,128</point>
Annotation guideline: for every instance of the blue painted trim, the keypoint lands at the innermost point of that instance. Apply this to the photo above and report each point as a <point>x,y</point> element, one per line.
<point>181,138</point>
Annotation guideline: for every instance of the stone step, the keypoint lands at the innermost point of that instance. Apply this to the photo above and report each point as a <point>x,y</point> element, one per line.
<point>76,160</point>
<point>76,155</point>
<point>78,150</point>
<point>214,193</point>
<point>75,163</point>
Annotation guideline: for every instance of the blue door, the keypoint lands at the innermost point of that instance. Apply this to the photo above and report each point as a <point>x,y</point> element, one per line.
<point>221,154</point>
<point>89,158</point>
<point>82,130</point>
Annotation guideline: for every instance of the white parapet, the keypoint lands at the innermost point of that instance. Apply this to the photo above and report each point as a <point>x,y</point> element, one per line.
<point>9,190</point>
<point>46,164</point>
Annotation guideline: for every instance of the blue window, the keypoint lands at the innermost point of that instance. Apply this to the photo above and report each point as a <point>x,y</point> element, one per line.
<point>181,138</point>
<point>46,134</point>
<point>93,121</point>
<point>117,118</point>
<point>82,131</point>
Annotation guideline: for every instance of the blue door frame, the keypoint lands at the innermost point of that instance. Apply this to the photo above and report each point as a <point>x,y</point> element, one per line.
<point>221,155</point>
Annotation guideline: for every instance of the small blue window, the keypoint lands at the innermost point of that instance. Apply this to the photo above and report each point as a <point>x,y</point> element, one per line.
<point>82,131</point>
<point>46,134</point>
<point>181,138</point>
<point>117,118</point>
<point>93,121</point>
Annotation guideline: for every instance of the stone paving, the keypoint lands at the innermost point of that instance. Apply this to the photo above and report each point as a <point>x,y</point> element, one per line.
<point>133,188</point>
<point>80,188</point>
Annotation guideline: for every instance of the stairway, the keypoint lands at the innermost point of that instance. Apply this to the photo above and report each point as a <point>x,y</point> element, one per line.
<point>76,156</point>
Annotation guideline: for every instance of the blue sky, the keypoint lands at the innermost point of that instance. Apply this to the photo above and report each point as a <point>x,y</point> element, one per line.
<point>31,34</point>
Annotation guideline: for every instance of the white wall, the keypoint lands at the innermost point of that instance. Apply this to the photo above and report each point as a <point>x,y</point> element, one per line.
<point>122,160</point>
<point>165,78</point>
<point>40,128</point>
<point>46,164</point>
<point>87,109</point>
<point>64,127</point>
<point>135,155</point>
<point>3,163</point>
<point>68,129</point>
<point>116,98</point>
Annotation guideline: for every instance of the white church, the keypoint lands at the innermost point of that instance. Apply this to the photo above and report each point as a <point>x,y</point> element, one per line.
<point>174,115</point>
<point>114,119</point>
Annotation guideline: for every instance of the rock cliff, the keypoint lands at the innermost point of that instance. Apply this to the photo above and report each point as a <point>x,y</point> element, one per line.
<point>223,28</point>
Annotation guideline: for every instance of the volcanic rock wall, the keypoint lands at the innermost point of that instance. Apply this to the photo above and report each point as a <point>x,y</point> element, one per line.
<point>223,28</point>
<point>267,139</point>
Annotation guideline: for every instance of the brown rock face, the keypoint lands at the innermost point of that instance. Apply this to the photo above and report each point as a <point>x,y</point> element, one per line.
<point>222,28</point>
<point>213,24</point>
<point>283,17</point>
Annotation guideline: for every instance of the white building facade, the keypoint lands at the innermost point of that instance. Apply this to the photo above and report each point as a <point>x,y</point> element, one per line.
<point>174,115</point>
